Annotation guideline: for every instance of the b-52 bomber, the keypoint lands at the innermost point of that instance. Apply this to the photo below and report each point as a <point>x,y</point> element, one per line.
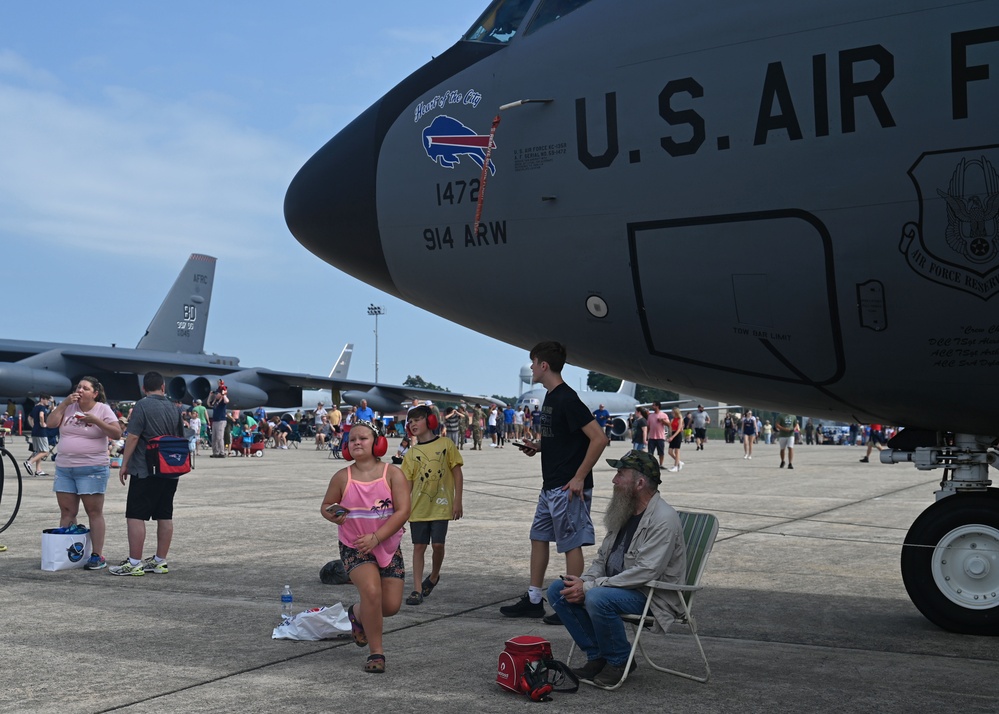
<point>787,204</point>
<point>173,345</point>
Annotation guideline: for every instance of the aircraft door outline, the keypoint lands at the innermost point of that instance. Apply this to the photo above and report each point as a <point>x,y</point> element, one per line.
<point>774,297</point>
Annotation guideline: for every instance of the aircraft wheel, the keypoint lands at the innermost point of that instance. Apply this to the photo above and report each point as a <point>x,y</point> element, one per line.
<point>950,563</point>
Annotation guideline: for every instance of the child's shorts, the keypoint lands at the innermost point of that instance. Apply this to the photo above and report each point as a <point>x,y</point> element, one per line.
<point>425,532</point>
<point>351,558</point>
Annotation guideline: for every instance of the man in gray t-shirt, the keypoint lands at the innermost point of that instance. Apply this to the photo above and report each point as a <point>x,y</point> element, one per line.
<point>700,421</point>
<point>149,497</point>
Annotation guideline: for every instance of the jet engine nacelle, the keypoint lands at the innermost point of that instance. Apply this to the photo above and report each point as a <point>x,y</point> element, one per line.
<point>380,400</point>
<point>619,427</point>
<point>18,380</point>
<point>244,396</point>
<point>186,388</point>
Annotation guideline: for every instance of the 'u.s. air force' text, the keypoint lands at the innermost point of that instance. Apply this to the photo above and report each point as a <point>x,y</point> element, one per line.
<point>784,107</point>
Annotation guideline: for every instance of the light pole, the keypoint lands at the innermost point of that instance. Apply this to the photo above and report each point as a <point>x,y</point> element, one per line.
<point>376,310</point>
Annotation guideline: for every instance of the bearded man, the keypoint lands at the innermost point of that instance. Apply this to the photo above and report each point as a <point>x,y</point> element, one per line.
<point>644,542</point>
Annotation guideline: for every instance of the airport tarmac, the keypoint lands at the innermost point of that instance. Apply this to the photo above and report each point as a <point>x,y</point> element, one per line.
<point>803,608</point>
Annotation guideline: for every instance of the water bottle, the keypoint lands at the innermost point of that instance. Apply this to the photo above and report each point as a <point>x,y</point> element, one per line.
<point>286,601</point>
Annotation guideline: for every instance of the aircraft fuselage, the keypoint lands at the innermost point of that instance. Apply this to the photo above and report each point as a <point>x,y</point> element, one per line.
<point>771,204</point>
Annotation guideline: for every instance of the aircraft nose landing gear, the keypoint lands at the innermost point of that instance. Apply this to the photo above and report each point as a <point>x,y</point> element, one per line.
<point>950,560</point>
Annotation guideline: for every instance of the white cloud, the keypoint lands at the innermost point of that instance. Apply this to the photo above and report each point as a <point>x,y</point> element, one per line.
<point>131,173</point>
<point>14,66</point>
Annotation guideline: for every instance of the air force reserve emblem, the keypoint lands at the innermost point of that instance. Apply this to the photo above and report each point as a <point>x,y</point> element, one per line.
<point>955,242</point>
<point>447,139</point>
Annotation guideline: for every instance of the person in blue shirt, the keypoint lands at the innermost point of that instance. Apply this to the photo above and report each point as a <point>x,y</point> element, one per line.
<point>217,402</point>
<point>508,423</point>
<point>603,417</point>
<point>364,412</point>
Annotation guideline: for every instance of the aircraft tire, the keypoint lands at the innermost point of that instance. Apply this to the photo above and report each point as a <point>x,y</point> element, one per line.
<point>950,563</point>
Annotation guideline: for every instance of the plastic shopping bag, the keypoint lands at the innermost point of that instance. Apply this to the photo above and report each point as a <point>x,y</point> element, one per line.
<point>62,550</point>
<point>321,623</point>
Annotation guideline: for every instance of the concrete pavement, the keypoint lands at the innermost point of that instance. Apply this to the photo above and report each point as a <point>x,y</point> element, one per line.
<point>803,611</point>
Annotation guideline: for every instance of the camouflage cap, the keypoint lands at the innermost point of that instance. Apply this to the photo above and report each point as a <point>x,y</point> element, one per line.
<point>641,461</point>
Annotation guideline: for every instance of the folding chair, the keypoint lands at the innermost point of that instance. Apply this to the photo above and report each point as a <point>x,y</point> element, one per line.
<point>699,532</point>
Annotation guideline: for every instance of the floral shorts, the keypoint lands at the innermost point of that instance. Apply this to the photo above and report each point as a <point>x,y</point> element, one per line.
<point>351,558</point>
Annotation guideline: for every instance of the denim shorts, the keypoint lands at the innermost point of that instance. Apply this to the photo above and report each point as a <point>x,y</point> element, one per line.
<point>82,480</point>
<point>565,522</point>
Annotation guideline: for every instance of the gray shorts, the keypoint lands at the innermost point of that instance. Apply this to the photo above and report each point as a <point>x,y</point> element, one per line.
<point>565,522</point>
<point>40,444</point>
<point>423,532</point>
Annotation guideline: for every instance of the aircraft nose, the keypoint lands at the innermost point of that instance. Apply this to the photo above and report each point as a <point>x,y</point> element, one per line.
<point>330,204</point>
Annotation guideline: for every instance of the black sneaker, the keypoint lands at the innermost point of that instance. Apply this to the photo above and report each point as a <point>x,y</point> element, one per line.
<point>611,674</point>
<point>524,608</point>
<point>591,669</point>
<point>552,619</point>
<point>865,460</point>
<point>790,466</point>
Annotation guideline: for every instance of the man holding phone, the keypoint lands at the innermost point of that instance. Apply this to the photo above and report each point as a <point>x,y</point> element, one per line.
<point>570,443</point>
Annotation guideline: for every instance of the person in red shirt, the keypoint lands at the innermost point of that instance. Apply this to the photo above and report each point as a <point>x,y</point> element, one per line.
<point>875,441</point>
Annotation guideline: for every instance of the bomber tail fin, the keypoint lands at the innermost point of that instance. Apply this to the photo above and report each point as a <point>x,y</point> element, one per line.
<point>180,323</point>
<point>342,364</point>
<point>627,388</point>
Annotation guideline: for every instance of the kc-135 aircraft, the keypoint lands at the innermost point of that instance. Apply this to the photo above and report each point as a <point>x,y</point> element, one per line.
<point>790,204</point>
<point>173,344</point>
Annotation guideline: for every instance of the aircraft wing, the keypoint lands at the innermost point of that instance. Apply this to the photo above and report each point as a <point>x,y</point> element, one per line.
<point>388,398</point>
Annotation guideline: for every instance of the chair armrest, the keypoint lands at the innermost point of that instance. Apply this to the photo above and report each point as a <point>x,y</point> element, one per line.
<point>660,585</point>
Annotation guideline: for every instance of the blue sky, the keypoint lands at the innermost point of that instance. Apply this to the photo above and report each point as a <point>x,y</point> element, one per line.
<point>135,133</point>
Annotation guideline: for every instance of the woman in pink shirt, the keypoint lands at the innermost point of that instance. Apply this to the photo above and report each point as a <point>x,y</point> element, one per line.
<point>85,424</point>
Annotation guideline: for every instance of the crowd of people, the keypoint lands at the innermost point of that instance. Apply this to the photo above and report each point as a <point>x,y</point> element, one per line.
<point>371,500</point>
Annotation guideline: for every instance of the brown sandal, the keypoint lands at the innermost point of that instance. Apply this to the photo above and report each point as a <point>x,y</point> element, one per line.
<point>360,639</point>
<point>375,664</point>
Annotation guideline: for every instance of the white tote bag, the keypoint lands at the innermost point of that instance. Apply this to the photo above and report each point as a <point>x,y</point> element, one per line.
<point>64,551</point>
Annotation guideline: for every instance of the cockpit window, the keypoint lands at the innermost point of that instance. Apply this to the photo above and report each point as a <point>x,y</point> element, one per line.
<point>500,21</point>
<point>551,10</point>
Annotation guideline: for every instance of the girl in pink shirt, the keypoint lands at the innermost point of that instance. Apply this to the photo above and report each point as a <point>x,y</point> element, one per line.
<point>369,501</point>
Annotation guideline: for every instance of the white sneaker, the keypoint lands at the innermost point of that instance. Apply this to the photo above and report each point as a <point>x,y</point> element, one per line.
<point>681,466</point>
<point>745,456</point>
<point>672,469</point>
<point>750,456</point>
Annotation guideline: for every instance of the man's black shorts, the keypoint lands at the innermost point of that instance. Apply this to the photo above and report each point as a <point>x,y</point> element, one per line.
<point>150,497</point>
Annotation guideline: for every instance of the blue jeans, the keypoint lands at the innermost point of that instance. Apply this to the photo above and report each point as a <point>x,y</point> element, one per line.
<point>596,625</point>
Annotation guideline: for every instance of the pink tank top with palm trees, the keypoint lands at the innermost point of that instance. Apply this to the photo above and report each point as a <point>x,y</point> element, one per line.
<point>370,505</point>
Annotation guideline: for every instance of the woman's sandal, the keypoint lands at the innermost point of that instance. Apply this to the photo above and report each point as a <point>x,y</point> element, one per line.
<point>375,664</point>
<point>428,585</point>
<point>360,639</point>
